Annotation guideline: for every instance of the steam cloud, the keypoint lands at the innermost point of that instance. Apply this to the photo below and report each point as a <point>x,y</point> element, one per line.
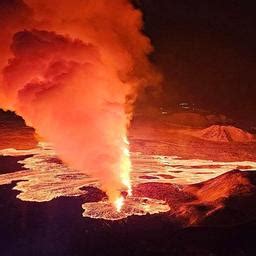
<point>73,70</point>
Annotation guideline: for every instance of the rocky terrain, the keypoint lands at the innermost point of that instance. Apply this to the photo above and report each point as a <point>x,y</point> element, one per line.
<point>212,208</point>
<point>222,201</point>
<point>221,133</point>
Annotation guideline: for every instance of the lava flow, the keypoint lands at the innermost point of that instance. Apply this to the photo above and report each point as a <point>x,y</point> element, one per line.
<point>46,178</point>
<point>134,206</point>
<point>39,183</point>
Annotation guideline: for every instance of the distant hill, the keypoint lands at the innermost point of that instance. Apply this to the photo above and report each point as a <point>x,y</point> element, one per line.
<point>220,133</point>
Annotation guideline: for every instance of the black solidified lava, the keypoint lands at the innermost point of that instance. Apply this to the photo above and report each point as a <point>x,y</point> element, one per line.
<point>10,164</point>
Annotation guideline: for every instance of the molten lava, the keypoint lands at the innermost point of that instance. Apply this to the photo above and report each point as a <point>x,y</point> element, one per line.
<point>134,206</point>
<point>119,203</point>
<point>125,170</point>
<point>39,183</point>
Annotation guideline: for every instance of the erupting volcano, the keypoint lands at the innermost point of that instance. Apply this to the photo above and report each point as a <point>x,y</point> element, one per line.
<point>127,127</point>
<point>73,74</point>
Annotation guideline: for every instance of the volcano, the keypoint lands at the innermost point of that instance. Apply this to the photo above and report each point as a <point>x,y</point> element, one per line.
<point>220,133</point>
<point>124,128</point>
<point>184,198</point>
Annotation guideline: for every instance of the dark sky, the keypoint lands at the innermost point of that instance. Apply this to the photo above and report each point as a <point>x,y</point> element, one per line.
<point>206,50</point>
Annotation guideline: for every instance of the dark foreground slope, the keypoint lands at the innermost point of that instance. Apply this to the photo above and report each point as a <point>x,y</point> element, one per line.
<point>216,217</point>
<point>223,201</point>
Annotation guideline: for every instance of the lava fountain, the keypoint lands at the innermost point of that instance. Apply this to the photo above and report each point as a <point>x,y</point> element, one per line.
<point>125,170</point>
<point>73,73</point>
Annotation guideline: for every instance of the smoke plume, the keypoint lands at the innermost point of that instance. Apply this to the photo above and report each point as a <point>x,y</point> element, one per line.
<point>73,70</point>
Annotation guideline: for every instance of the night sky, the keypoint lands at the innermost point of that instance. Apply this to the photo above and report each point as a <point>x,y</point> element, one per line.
<point>206,50</point>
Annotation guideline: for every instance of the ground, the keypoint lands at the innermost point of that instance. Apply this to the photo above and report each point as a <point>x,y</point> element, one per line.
<point>209,187</point>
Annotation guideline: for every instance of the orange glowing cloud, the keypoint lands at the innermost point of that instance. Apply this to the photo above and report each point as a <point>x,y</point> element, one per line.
<point>73,73</point>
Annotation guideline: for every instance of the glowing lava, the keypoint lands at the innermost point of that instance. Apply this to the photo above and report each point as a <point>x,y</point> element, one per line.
<point>133,206</point>
<point>119,203</point>
<point>124,175</point>
<point>44,177</point>
<point>126,167</point>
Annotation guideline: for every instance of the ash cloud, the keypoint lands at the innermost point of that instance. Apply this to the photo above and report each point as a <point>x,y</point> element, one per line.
<point>73,73</point>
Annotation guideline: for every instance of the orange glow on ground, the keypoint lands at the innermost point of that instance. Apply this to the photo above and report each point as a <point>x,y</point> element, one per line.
<point>46,178</point>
